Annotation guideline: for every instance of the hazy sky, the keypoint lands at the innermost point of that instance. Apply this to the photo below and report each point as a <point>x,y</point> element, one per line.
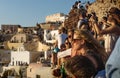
<point>29,12</point>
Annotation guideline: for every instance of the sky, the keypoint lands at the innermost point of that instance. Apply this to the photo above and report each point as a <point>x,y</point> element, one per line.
<point>30,12</point>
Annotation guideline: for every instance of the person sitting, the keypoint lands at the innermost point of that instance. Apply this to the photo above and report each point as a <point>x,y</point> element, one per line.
<point>113,66</point>
<point>83,42</point>
<point>79,67</point>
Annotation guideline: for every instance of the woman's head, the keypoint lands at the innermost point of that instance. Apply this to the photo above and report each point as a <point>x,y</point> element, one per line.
<point>87,37</point>
<point>80,40</point>
<point>61,30</point>
<point>112,20</point>
<point>84,39</point>
<point>114,10</point>
<point>70,33</point>
<point>80,67</point>
<point>115,13</point>
<point>67,43</point>
<point>104,19</point>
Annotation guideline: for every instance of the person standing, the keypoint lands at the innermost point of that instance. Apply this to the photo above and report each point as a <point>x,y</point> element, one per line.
<point>60,39</point>
<point>82,20</point>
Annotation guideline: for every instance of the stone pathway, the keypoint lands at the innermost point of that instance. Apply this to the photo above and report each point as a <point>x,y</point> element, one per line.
<point>46,72</point>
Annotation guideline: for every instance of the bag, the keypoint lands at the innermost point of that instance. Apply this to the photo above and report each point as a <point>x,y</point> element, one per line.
<point>56,50</point>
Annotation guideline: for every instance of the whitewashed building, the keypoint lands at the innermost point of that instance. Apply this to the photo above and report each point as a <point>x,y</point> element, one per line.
<point>58,17</point>
<point>50,36</point>
<point>23,57</point>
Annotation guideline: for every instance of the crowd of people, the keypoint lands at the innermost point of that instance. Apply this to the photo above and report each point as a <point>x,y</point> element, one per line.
<point>91,50</point>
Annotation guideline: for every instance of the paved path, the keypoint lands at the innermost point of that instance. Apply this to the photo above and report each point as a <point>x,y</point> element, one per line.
<point>46,72</point>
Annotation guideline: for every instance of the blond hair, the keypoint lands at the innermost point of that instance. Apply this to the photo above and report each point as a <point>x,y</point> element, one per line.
<point>92,43</point>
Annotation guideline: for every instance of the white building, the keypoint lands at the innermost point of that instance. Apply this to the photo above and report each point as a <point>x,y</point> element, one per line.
<point>23,57</point>
<point>60,17</point>
<point>50,36</point>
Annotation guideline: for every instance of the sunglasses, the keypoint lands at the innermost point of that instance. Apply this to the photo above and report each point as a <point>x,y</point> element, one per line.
<point>76,40</point>
<point>66,43</point>
<point>69,36</point>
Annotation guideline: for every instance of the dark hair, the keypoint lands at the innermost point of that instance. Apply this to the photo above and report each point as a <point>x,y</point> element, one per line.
<point>97,58</point>
<point>56,73</point>
<point>62,29</point>
<point>82,14</point>
<point>80,66</point>
<point>79,1</point>
<point>115,12</point>
<point>104,18</point>
<point>89,15</point>
<point>93,13</point>
<point>113,19</point>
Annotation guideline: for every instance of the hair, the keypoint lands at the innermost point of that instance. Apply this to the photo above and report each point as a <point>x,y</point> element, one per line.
<point>79,1</point>
<point>69,44</point>
<point>115,12</point>
<point>82,14</point>
<point>62,47</point>
<point>97,58</point>
<point>104,18</point>
<point>56,72</point>
<point>62,29</point>
<point>112,19</point>
<point>88,16</point>
<point>70,30</point>
<point>92,43</point>
<point>86,24</point>
<point>80,66</point>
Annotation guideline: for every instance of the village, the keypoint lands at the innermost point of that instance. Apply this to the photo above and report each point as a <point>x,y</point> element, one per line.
<point>21,46</point>
<point>25,52</point>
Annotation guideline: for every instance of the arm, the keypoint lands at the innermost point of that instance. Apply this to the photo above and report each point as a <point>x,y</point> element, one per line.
<point>97,28</point>
<point>56,43</point>
<point>114,28</point>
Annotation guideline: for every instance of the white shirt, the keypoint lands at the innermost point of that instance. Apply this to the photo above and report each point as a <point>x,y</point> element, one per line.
<point>79,24</point>
<point>61,39</point>
<point>64,53</point>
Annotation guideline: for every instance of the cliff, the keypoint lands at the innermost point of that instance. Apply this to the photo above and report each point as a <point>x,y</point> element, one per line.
<point>100,7</point>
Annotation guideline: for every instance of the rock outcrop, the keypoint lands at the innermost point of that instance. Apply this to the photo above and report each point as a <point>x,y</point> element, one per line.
<point>100,7</point>
<point>72,19</point>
